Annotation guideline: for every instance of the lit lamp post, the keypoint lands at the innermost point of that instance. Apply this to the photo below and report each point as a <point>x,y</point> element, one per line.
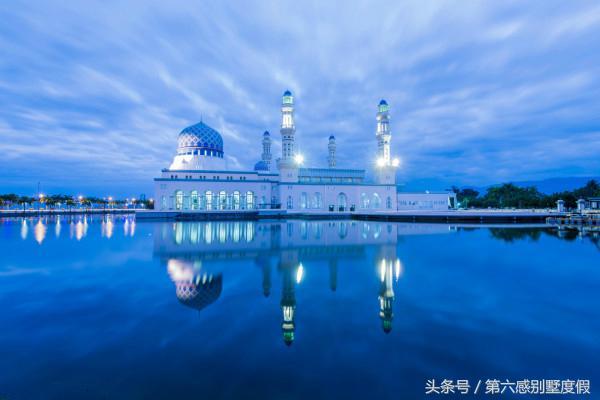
<point>41,199</point>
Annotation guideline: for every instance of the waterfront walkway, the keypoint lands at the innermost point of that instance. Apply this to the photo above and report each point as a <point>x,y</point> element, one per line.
<point>74,211</point>
<point>478,216</point>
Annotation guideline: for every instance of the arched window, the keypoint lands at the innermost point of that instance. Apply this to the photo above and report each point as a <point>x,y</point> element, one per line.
<point>317,202</point>
<point>364,200</point>
<point>249,200</point>
<point>209,200</point>
<point>290,202</point>
<point>194,196</point>
<point>303,200</point>
<point>178,199</point>
<point>388,202</point>
<point>222,200</point>
<point>342,200</point>
<point>376,203</point>
<point>236,200</point>
<point>263,202</point>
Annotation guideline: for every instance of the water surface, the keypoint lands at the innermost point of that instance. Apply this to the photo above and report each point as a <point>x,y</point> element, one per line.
<point>113,308</point>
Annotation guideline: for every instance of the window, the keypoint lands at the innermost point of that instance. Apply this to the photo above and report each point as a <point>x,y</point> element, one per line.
<point>209,200</point>
<point>290,202</point>
<point>388,202</point>
<point>178,199</point>
<point>194,199</point>
<point>364,200</point>
<point>163,202</point>
<point>317,200</point>
<point>236,200</point>
<point>303,200</point>
<point>249,200</point>
<point>376,203</point>
<point>222,200</point>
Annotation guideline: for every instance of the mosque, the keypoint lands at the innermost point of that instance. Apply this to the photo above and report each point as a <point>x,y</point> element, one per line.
<point>198,178</point>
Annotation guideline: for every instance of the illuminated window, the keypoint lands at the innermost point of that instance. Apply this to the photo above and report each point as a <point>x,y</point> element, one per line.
<point>178,200</point>
<point>249,200</point>
<point>303,200</point>
<point>376,201</point>
<point>194,196</point>
<point>209,200</point>
<point>222,200</point>
<point>236,200</point>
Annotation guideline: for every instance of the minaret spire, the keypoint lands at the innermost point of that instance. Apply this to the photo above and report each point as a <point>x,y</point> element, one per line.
<point>266,154</point>
<point>288,130</point>
<point>383,134</point>
<point>331,147</point>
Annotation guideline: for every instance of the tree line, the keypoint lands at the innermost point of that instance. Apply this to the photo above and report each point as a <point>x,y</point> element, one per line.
<point>55,200</point>
<point>513,196</point>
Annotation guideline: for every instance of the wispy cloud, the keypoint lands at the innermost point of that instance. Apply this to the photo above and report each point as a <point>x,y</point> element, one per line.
<point>94,95</point>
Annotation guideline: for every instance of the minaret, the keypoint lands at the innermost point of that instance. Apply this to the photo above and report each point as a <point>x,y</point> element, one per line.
<point>386,295</point>
<point>266,154</point>
<point>288,164</point>
<point>331,147</point>
<point>288,130</point>
<point>386,167</point>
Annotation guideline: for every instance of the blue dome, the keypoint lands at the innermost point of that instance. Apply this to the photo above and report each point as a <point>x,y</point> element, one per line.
<point>200,139</point>
<point>266,133</point>
<point>383,103</point>
<point>287,93</point>
<point>261,166</point>
<point>331,137</point>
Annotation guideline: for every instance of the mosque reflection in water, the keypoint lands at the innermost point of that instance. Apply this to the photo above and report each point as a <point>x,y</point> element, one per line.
<point>190,251</point>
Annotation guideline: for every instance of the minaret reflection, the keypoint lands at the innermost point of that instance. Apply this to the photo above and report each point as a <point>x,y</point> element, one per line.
<point>194,288</point>
<point>333,265</point>
<point>265,264</point>
<point>292,273</point>
<point>389,267</point>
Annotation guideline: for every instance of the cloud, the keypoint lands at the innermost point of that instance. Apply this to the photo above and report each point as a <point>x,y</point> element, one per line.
<point>479,92</point>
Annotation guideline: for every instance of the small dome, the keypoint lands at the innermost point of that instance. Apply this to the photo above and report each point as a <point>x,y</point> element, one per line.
<point>266,133</point>
<point>200,139</point>
<point>287,93</point>
<point>261,166</point>
<point>383,103</point>
<point>331,137</point>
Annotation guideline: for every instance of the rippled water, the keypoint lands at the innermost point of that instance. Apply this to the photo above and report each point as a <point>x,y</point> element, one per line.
<point>113,308</point>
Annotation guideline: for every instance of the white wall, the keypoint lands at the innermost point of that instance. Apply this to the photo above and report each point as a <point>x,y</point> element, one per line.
<point>424,201</point>
<point>330,195</point>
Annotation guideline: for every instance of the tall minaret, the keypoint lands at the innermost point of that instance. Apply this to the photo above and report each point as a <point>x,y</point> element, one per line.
<point>331,147</point>
<point>266,154</point>
<point>383,134</point>
<point>288,130</point>
<point>386,167</point>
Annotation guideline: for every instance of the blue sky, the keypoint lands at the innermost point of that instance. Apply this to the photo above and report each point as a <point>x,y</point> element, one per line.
<point>93,94</point>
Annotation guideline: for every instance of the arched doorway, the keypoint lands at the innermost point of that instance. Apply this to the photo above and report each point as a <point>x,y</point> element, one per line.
<point>342,202</point>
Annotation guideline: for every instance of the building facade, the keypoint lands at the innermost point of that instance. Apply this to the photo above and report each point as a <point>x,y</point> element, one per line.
<point>199,180</point>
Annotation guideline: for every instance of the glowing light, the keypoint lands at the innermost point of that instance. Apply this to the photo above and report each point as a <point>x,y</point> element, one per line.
<point>39,231</point>
<point>80,197</point>
<point>299,159</point>
<point>382,269</point>
<point>299,273</point>
<point>41,196</point>
<point>380,162</point>
<point>396,162</point>
<point>398,269</point>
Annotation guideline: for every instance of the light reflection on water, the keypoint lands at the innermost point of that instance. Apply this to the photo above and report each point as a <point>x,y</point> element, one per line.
<point>295,306</point>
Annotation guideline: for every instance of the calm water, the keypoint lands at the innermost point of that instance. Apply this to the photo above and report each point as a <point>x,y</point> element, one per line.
<point>112,308</point>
